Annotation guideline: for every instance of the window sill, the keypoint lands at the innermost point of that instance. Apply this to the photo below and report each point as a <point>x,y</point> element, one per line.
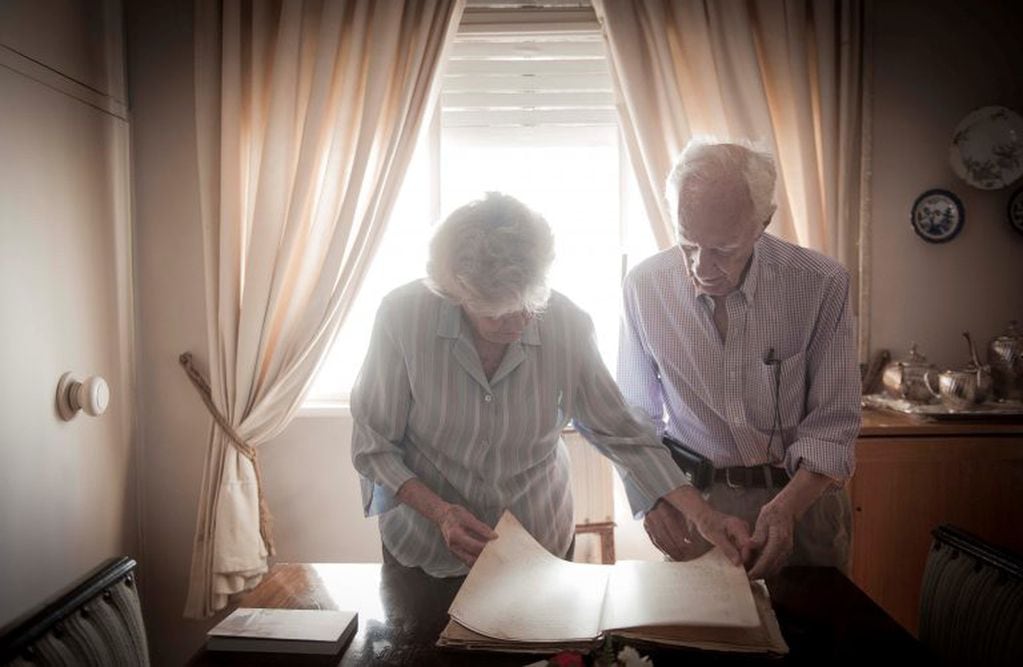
<point>324,408</point>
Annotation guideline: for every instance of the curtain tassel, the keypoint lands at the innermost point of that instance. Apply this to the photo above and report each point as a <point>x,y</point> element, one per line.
<point>243,448</point>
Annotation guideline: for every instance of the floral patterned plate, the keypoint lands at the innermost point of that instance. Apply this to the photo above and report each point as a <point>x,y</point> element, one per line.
<point>987,148</point>
<point>937,216</point>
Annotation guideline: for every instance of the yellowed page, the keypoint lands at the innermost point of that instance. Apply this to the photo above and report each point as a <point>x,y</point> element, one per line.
<point>518,591</point>
<point>765,638</point>
<point>708,591</point>
<point>455,635</point>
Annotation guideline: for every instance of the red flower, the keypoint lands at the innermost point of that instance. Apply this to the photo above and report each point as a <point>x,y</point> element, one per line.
<point>567,659</point>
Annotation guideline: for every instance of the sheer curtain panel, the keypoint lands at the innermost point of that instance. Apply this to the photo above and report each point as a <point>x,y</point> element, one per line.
<point>307,114</point>
<point>786,74</point>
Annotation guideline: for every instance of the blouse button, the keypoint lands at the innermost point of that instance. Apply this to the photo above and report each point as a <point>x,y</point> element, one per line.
<point>488,398</point>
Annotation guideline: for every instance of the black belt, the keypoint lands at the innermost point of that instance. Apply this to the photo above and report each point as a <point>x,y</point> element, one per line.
<point>763,477</point>
<point>701,472</point>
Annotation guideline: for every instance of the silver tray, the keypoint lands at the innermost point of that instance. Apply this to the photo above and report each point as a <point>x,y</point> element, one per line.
<point>940,411</point>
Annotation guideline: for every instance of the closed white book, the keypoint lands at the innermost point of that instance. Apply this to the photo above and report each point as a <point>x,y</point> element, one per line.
<point>316,631</point>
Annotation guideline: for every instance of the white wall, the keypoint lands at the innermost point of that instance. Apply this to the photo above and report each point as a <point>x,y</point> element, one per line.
<point>67,489</point>
<point>169,271</point>
<point>313,477</point>
<point>933,63</point>
<point>932,68</point>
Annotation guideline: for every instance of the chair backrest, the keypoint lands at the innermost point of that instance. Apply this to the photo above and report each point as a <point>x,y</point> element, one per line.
<point>98,622</point>
<point>971,601</point>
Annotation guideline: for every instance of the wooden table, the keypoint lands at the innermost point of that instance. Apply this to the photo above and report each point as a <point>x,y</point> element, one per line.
<point>914,474</point>
<point>824,617</point>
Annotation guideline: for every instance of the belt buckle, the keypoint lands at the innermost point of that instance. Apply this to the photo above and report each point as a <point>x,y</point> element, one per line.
<point>728,479</point>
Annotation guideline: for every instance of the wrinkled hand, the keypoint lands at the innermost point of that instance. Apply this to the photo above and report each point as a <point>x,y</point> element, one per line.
<point>726,532</point>
<point>684,538</point>
<point>771,545</point>
<point>464,534</point>
<point>670,532</point>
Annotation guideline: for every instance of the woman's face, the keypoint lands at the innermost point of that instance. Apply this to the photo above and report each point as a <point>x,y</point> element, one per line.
<point>502,330</point>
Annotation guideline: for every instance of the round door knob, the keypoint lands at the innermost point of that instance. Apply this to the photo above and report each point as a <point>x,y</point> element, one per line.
<point>91,396</point>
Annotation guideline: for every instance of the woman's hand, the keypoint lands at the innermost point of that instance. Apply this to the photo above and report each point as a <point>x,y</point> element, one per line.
<point>728,533</point>
<point>670,532</point>
<point>463,533</point>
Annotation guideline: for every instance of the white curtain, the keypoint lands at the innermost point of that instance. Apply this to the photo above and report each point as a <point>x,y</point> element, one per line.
<point>307,115</point>
<point>784,73</point>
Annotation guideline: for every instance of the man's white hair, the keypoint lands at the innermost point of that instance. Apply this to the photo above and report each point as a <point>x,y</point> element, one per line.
<point>708,160</point>
<point>492,256</point>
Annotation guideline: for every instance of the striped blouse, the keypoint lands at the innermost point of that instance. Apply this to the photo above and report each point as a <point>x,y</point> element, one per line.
<point>422,407</point>
<point>721,398</point>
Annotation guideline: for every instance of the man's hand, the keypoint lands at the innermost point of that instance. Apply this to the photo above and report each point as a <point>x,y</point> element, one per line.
<point>771,545</point>
<point>670,532</point>
<point>772,540</point>
<point>726,532</point>
<point>464,534</point>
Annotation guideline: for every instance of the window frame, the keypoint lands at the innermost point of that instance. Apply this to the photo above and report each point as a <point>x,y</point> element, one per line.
<point>488,18</point>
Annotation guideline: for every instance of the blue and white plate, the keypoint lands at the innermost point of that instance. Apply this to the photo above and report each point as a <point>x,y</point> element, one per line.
<point>937,216</point>
<point>1016,210</point>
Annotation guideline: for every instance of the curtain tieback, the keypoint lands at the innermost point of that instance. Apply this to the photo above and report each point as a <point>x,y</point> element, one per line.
<point>244,448</point>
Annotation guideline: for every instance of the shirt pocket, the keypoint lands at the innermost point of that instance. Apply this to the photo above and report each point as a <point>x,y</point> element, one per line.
<point>777,386</point>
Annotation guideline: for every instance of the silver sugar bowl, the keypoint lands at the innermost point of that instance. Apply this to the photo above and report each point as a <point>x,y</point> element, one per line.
<point>963,389</point>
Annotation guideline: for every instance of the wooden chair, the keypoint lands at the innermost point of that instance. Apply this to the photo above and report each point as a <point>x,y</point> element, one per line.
<point>971,601</point>
<point>592,490</point>
<point>96,623</point>
<point>605,532</point>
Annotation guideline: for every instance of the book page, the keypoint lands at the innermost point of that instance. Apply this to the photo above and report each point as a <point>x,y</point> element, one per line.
<point>708,591</point>
<point>455,635</point>
<point>519,591</point>
<point>765,638</point>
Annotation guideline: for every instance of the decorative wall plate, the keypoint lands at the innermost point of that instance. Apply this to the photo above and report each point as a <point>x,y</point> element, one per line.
<point>1016,210</point>
<point>937,216</point>
<point>987,148</point>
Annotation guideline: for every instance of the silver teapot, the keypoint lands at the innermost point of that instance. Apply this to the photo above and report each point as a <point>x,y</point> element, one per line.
<point>905,378</point>
<point>962,389</point>
<point>1005,355</point>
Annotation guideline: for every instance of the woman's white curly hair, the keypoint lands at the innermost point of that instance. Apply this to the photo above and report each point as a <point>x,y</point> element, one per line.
<point>492,256</point>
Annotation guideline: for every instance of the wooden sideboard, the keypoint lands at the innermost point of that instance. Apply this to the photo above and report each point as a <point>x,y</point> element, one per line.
<point>911,476</point>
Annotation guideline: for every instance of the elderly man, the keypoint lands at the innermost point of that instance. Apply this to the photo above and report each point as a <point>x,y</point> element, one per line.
<point>740,347</point>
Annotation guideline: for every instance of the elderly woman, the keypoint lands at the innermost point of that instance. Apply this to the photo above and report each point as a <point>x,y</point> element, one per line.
<point>470,377</point>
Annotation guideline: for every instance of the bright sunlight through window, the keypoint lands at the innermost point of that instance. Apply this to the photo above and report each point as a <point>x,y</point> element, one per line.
<point>531,115</point>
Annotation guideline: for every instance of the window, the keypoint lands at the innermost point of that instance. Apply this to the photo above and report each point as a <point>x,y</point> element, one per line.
<point>530,112</point>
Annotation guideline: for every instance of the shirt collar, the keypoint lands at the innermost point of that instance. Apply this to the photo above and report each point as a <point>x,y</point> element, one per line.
<point>749,284</point>
<point>449,324</point>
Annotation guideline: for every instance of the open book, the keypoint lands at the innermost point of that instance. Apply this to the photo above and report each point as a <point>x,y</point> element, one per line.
<point>519,597</point>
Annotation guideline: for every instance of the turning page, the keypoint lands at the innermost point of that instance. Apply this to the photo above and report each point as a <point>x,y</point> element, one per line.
<point>519,591</point>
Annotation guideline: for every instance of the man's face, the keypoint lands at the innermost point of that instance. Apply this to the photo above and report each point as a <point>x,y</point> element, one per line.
<point>505,329</point>
<point>717,238</point>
